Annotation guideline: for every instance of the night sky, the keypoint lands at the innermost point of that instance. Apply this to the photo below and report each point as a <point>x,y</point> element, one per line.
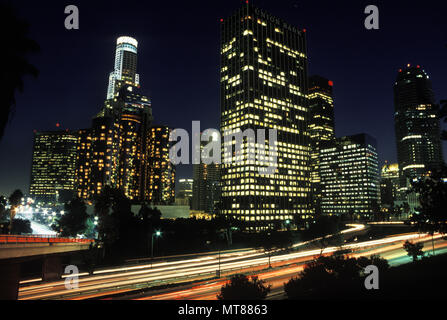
<point>179,64</point>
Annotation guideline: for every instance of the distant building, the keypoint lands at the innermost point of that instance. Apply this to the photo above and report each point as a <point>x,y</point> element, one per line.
<point>419,147</point>
<point>83,164</point>
<point>349,173</point>
<point>105,153</point>
<point>185,192</point>
<point>206,186</point>
<point>321,128</point>
<point>53,171</point>
<point>160,170</point>
<point>390,185</point>
<point>122,149</point>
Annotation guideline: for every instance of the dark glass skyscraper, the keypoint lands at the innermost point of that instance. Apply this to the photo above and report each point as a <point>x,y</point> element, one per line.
<point>321,128</point>
<point>264,86</point>
<point>416,123</point>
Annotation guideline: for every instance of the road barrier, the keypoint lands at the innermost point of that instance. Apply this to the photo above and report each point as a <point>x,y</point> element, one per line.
<point>40,239</point>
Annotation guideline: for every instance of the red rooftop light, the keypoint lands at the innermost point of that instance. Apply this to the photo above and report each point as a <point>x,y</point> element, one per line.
<point>304,30</point>
<point>58,124</point>
<point>331,83</point>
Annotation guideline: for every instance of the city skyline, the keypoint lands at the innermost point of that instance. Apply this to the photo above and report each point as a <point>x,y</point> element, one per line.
<point>349,119</point>
<point>322,174</point>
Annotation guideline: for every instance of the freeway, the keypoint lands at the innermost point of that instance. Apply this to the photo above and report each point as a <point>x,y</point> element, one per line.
<point>208,290</point>
<point>127,279</point>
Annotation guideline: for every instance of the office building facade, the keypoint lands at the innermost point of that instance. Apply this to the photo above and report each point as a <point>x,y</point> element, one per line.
<point>321,128</point>
<point>54,163</point>
<point>349,172</point>
<point>264,86</point>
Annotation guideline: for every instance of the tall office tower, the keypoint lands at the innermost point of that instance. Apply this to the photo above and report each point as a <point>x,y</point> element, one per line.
<point>105,152</point>
<point>135,117</point>
<point>264,86</point>
<point>390,185</point>
<point>349,172</point>
<point>53,172</point>
<point>321,128</point>
<point>160,184</point>
<point>83,164</point>
<point>417,125</point>
<point>185,192</point>
<point>119,134</point>
<point>125,71</point>
<point>206,187</point>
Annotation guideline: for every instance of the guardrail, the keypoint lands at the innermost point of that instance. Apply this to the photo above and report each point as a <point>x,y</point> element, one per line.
<point>41,239</point>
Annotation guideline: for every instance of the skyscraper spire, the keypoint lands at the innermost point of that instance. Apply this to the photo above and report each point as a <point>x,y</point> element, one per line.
<point>125,70</point>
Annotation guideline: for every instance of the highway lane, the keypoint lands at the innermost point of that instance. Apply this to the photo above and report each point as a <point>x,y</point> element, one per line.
<point>131,277</point>
<point>394,253</point>
<point>92,286</point>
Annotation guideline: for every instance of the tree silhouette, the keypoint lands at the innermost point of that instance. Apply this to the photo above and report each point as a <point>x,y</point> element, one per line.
<point>432,190</point>
<point>14,33</point>
<point>241,287</point>
<point>3,211</point>
<point>73,222</point>
<point>414,250</point>
<point>116,222</point>
<point>15,200</point>
<point>21,226</point>
<point>443,117</point>
<point>334,276</point>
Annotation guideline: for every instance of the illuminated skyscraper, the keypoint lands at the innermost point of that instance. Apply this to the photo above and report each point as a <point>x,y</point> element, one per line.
<point>53,169</point>
<point>206,188</point>
<point>264,86</point>
<point>83,164</point>
<point>120,130</point>
<point>134,115</point>
<point>185,192</point>
<point>390,185</point>
<point>105,152</point>
<point>349,172</point>
<point>160,184</point>
<point>125,70</point>
<point>417,125</point>
<point>321,128</point>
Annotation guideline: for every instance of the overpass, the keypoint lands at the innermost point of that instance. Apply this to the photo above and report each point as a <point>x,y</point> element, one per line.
<point>14,250</point>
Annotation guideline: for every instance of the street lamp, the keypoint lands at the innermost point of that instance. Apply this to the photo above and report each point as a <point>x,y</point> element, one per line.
<point>156,234</point>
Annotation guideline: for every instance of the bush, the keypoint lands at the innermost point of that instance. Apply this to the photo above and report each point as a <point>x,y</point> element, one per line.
<point>241,287</point>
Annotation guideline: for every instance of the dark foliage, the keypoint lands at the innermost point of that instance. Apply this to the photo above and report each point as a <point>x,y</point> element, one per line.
<point>332,277</point>
<point>242,287</point>
<point>73,222</point>
<point>14,33</point>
